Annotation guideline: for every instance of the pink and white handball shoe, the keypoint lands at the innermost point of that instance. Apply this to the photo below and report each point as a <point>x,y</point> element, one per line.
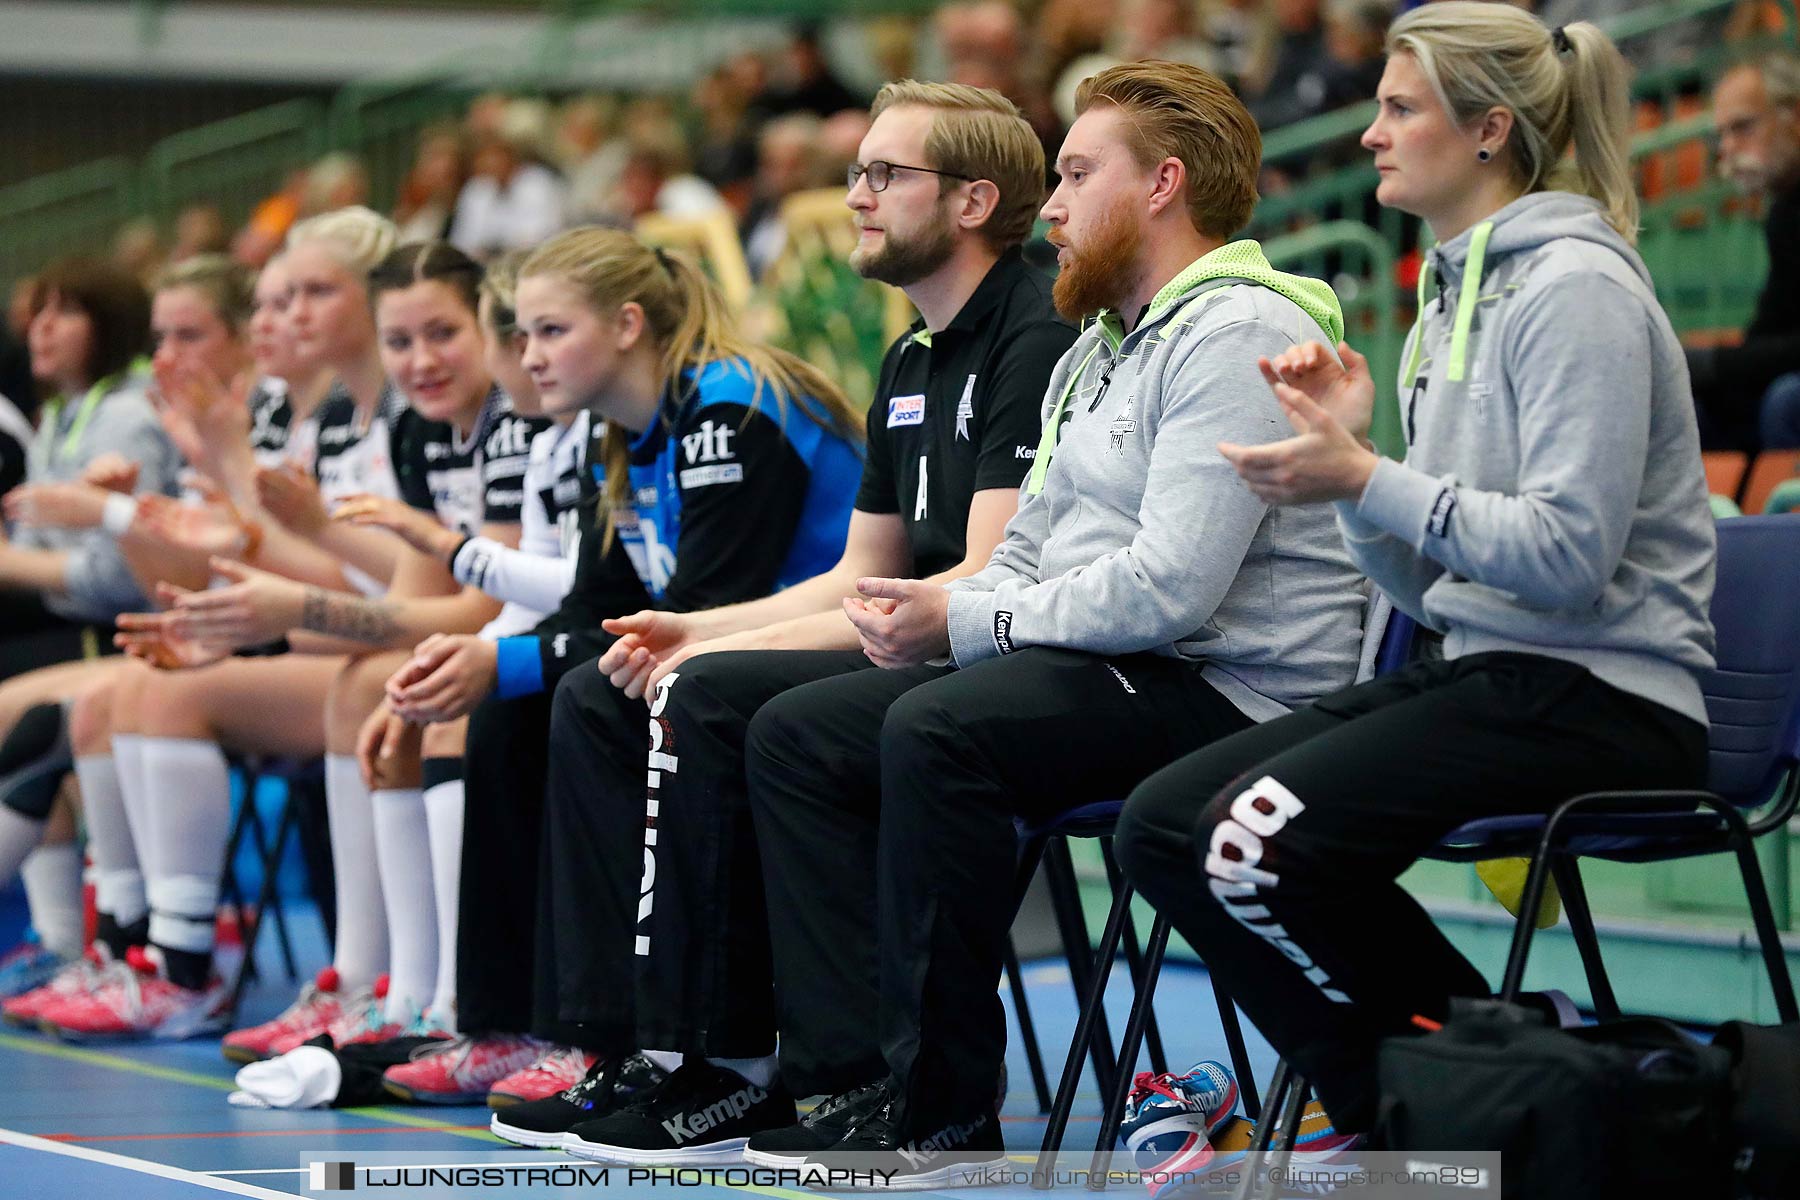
<point>461,1070</point>
<point>139,1002</point>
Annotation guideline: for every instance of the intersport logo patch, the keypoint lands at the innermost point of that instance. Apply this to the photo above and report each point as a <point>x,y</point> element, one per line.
<point>905,410</point>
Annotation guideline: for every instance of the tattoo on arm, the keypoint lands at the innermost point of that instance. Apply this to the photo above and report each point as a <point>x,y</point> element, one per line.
<point>350,617</point>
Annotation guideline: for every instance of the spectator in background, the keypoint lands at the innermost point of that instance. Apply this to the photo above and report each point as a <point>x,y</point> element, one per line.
<point>336,181</point>
<point>1168,30</point>
<point>725,152</point>
<point>1246,34</point>
<point>428,193</point>
<point>592,158</point>
<point>1679,42</point>
<point>1296,86</point>
<point>1068,31</point>
<point>1749,395</point>
<point>199,229</point>
<point>486,115</point>
<point>805,82</point>
<point>840,138</point>
<point>788,161</point>
<point>892,42</point>
<point>138,250</point>
<point>986,46</point>
<point>1355,31</point>
<point>656,180</point>
<point>513,201</point>
<point>985,30</point>
<point>263,234</point>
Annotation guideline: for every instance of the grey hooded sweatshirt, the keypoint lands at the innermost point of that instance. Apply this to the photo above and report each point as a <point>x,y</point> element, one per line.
<point>1552,500</point>
<point>1137,535</point>
<point>97,584</point>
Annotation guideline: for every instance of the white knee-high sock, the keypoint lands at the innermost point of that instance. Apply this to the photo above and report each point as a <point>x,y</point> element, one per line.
<point>118,880</point>
<point>188,808</point>
<point>362,935</point>
<point>52,876</point>
<point>19,836</point>
<point>444,816</point>
<point>403,847</point>
<point>134,794</point>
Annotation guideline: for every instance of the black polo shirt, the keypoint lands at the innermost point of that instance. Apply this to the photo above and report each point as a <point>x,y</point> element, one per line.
<point>958,411</point>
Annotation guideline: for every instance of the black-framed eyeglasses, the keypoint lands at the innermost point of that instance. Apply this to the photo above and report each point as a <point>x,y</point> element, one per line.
<point>880,174</point>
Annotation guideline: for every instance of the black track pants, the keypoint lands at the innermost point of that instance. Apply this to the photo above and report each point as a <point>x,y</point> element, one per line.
<point>1275,852</point>
<point>886,800</point>
<point>701,935</point>
<point>496,969</point>
<point>593,848</point>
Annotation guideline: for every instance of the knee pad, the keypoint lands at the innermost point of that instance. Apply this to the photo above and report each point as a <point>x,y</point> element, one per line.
<point>436,771</point>
<point>34,757</point>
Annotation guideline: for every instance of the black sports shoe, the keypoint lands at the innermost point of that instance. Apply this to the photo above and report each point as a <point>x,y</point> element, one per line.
<point>819,1129</point>
<point>609,1085</point>
<point>701,1114</point>
<point>875,1155</point>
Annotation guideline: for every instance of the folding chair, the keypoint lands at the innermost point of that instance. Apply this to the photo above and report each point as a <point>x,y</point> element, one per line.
<point>1753,704</point>
<point>1088,967</point>
<point>1144,962</point>
<point>300,776</point>
<point>1387,640</point>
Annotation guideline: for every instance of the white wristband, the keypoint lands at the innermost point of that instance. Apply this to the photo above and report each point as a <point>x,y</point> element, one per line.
<point>118,514</point>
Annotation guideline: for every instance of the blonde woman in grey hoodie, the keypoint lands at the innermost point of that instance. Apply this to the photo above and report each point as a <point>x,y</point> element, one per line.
<point>1550,520</point>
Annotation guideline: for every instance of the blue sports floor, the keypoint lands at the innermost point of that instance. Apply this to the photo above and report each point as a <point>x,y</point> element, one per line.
<point>150,1122</point>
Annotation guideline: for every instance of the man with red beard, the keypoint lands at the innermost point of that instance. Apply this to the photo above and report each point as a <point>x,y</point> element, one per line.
<point>1142,603</point>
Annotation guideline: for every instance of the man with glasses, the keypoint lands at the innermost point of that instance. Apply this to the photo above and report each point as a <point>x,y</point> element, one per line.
<point>653,909</point>
<point>1749,394</point>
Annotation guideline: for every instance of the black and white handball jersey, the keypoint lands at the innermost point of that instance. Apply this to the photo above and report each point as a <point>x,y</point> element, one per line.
<point>958,411</point>
<point>555,483</point>
<point>549,527</point>
<point>272,424</point>
<point>467,482</point>
<point>355,454</point>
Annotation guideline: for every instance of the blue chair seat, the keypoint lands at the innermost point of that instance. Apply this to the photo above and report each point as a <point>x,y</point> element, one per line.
<point>1088,821</point>
<point>1621,837</point>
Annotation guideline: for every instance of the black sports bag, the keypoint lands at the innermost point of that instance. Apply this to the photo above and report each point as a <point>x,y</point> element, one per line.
<point>1765,1107</point>
<point>1630,1109</point>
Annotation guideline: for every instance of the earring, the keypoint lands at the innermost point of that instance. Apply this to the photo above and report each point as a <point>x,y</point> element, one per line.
<point>1484,154</point>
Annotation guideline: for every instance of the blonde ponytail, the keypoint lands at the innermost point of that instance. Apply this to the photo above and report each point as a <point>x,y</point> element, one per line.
<point>1600,120</point>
